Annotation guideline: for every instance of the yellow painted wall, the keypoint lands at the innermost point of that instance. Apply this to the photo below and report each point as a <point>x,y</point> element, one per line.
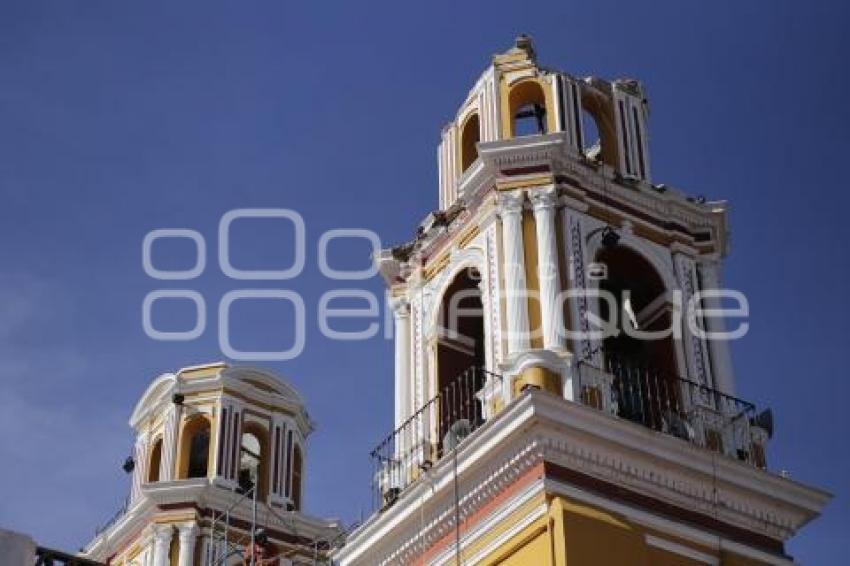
<point>531,546</point>
<point>529,236</point>
<point>533,551</point>
<point>592,536</point>
<point>575,534</point>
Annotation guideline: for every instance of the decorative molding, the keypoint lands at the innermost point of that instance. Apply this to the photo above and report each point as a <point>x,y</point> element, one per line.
<point>695,347</point>
<point>539,427</point>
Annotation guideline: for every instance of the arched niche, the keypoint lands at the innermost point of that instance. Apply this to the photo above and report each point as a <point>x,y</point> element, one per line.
<point>155,460</point>
<point>469,137</point>
<point>646,369</point>
<point>460,354</point>
<point>254,458</point>
<point>194,454</point>
<point>528,109</point>
<point>599,128</point>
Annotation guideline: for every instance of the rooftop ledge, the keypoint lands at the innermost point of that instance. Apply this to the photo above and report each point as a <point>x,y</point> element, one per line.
<point>589,450</point>
<point>204,497</point>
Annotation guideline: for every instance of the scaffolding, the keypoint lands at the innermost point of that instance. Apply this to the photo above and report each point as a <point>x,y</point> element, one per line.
<point>223,545</point>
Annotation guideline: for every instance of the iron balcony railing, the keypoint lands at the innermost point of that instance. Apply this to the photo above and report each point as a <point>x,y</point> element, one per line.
<point>677,406</point>
<point>680,407</point>
<point>434,430</point>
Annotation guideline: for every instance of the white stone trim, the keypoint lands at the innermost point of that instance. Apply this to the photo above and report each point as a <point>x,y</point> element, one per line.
<point>539,426</point>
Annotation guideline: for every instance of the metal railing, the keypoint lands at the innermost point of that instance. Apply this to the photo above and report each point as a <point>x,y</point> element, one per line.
<point>647,396</point>
<point>674,405</point>
<point>434,430</point>
<point>115,517</point>
<point>680,407</point>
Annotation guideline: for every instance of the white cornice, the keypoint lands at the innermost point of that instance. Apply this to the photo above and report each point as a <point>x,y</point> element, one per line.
<point>554,151</point>
<point>273,391</point>
<point>541,427</point>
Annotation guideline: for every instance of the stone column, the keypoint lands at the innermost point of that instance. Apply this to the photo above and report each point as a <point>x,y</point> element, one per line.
<point>721,362</point>
<point>401,320</point>
<point>516,287</point>
<point>188,537</point>
<point>162,544</point>
<point>552,312</point>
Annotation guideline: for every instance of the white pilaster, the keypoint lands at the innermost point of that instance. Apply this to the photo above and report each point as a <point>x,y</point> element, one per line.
<point>721,361</point>
<point>552,312</point>
<point>516,288</point>
<point>403,391</point>
<point>162,544</point>
<point>694,346</point>
<point>169,444</point>
<point>401,320</point>
<point>140,460</point>
<point>188,537</point>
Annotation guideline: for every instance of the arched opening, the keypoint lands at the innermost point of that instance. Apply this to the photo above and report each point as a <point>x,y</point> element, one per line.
<point>194,448</point>
<point>297,471</point>
<point>527,103</point>
<point>460,355</point>
<point>599,131</point>
<point>155,461</point>
<point>469,138</point>
<point>644,367</point>
<point>592,146</point>
<point>253,460</point>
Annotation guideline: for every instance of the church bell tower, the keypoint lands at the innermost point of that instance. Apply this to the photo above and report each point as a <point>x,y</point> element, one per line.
<point>217,475</point>
<point>560,396</point>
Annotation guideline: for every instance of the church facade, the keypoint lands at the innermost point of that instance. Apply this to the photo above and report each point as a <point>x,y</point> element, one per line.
<point>524,435</point>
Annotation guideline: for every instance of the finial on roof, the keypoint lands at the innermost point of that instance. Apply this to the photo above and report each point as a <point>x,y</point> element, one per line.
<point>524,42</point>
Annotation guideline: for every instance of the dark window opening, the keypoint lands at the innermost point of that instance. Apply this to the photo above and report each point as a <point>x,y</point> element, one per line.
<point>250,458</point>
<point>593,146</point>
<point>469,138</point>
<point>642,368</point>
<point>460,355</point>
<point>199,451</point>
<point>194,448</point>
<point>155,461</point>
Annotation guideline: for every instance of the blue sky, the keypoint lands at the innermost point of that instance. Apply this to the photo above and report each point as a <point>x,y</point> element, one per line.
<point>117,118</point>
